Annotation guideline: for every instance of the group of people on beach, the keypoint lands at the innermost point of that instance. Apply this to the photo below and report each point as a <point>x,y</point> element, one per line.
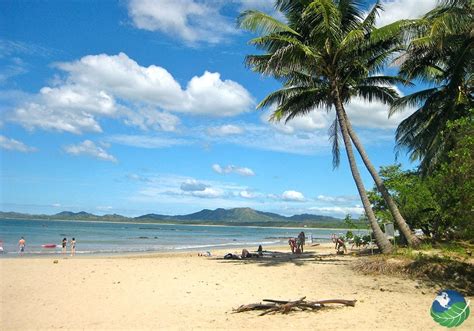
<point>296,244</point>
<point>72,245</point>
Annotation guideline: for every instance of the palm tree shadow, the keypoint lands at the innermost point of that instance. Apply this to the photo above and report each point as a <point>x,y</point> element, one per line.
<point>270,259</point>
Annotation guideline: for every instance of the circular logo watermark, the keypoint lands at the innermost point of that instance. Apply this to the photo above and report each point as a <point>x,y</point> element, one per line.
<point>450,309</point>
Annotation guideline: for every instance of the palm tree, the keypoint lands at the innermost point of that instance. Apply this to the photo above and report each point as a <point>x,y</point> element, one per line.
<point>326,54</point>
<point>440,54</point>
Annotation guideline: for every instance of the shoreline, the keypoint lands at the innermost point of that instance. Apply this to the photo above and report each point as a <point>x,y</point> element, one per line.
<point>215,250</point>
<point>184,224</point>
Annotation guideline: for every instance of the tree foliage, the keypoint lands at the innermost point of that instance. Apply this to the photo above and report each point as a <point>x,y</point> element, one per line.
<point>441,55</point>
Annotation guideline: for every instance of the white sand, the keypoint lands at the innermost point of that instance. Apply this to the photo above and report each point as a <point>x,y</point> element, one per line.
<point>184,291</point>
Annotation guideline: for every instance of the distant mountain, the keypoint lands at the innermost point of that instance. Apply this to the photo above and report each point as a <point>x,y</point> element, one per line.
<point>219,216</point>
<point>71,214</point>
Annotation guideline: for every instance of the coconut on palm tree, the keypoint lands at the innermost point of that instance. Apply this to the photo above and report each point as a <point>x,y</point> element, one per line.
<point>326,53</point>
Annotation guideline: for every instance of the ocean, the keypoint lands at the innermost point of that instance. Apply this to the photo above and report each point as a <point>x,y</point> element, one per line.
<point>120,238</point>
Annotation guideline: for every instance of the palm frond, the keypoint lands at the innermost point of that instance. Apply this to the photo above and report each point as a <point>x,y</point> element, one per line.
<point>261,23</point>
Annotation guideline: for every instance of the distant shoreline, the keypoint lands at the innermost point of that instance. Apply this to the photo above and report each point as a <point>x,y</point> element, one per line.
<point>164,223</point>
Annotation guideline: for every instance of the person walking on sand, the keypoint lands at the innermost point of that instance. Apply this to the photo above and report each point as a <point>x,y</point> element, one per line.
<point>73,246</point>
<point>64,243</point>
<point>21,246</point>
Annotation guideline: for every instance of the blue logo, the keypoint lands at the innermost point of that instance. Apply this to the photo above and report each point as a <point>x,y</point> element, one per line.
<point>450,309</point>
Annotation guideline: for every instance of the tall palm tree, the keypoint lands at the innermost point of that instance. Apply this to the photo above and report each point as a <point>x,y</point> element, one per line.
<point>440,54</point>
<point>324,55</point>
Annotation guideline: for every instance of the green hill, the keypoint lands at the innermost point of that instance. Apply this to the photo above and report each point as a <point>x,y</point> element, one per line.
<point>219,216</point>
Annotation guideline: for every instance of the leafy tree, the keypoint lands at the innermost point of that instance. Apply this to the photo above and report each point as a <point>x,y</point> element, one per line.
<point>328,52</point>
<point>453,183</point>
<point>441,55</point>
<point>413,195</point>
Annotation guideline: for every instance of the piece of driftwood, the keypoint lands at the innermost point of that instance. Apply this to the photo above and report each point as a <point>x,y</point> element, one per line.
<point>284,307</point>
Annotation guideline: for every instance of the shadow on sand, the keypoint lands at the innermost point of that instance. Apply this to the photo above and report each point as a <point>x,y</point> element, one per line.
<point>274,258</point>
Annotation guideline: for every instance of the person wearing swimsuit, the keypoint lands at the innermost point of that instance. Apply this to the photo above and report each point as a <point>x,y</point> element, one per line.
<point>73,246</point>
<point>21,245</point>
<point>64,243</point>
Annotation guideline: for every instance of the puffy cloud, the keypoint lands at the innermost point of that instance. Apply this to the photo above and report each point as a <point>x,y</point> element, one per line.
<point>15,145</point>
<point>190,20</point>
<point>395,10</point>
<point>208,94</point>
<point>208,192</point>
<point>88,147</point>
<point>292,196</point>
<point>116,86</point>
<point>225,130</point>
<point>233,169</point>
<point>193,185</point>
<point>317,119</point>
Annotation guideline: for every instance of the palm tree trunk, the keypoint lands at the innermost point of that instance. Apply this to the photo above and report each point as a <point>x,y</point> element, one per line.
<point>380,238</point>
<point>402,225</point>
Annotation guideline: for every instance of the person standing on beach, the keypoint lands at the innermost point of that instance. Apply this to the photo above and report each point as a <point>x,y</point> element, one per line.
<point>21,246</point>
<point>301,241</point>
<point>64,243</point>
<point>73,246</point>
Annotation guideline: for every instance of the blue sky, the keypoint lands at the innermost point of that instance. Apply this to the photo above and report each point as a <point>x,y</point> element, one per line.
<point>143,106</point>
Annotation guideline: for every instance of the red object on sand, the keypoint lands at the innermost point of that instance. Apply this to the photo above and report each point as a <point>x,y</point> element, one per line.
<point>49,246</point>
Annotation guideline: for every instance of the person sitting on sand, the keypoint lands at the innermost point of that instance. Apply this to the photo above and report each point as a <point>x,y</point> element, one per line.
<point>260,250</point>
<point>339,244</point>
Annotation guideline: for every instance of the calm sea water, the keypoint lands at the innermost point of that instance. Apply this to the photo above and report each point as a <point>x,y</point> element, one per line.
<point>110,238</point>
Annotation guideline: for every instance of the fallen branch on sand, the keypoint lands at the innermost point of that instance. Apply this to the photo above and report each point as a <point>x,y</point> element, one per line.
<point>284,307</point>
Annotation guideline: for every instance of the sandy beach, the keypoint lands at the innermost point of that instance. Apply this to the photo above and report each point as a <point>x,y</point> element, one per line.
<point>186,291</point>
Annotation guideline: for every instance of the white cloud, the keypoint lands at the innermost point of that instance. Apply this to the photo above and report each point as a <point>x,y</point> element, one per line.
<point>208,192</point>
<point>208,94</point>
<point>233,169</point>
<point>338,200</point>
<point>148,118</point>
<point>225,130</point>
<point>192,185</point>
<point>317,119</point>
<point>395,10</point>
<point>15,145</point>
<point>338,210</point>
<point>88,147</point>
<point>150,142</point>
<point>247,195</point>
<point>373,115</point>
<point>292,196</point>
<point>190,20</point>
<point>116,86</point>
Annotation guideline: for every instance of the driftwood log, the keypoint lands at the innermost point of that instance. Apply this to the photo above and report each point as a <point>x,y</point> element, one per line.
<point>284,307</point>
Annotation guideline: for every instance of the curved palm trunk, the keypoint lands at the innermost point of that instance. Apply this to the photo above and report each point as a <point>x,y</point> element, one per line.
<point>402,225</point>
<point>380,238</point>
